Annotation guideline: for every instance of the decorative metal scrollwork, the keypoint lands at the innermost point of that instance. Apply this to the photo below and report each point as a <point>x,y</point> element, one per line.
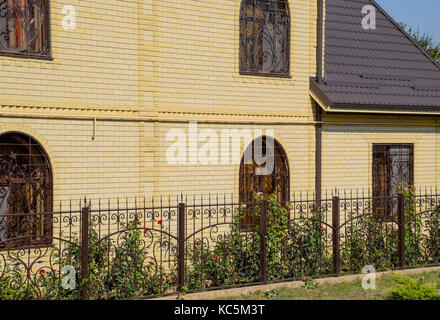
<point>268,178</point>
<point>24,27</point>
<point>264,37</point>
<point>393,170</point>
<point>25,192</point>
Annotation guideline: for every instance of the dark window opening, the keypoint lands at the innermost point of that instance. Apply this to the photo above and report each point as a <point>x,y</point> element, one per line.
<point>264,171</point>
<point>264,37</point>
<point>393,171</point>
<point>25,192</point>
<point>24,27</point>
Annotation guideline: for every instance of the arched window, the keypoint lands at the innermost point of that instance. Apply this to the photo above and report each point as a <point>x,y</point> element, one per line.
<point>25,192</point>
<point>264,37</point>
<point>264,171</point>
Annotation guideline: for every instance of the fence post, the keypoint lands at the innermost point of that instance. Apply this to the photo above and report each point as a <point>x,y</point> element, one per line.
<point>336,238</point>
<point>84,260</point>
<point>263,245</point>
<point>181,247</point>
<point>401,226</point>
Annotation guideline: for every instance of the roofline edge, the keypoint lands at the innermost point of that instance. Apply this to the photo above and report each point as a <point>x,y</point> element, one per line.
<point>437,64</point>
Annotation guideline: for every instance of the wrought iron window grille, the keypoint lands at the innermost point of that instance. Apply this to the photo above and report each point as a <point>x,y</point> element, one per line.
<point>25,192</point>
<point>24,28</point>
<point>265,38</point>
<point>393,171</point>
<point>260,184</point>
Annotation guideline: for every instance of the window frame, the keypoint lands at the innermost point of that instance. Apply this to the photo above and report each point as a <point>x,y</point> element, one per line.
<point>46,232</point>
<point>384,205</point>
<point>244,176</point>
<point>286,75</point>
<point>35,56</point>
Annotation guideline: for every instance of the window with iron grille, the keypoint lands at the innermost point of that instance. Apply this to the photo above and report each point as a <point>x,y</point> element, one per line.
<point>393,170</point>
<point>24,28</point>
<point>264,37</point>
<point>25,192</point>
<point>264,171</point>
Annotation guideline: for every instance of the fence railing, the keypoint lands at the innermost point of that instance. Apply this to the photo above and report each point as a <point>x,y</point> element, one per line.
<point>128,250</point>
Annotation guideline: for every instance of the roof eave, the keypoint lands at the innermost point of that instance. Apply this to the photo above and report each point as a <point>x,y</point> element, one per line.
<point>320,97</point>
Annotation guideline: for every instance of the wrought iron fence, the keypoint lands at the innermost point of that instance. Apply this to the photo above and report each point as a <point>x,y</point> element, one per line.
<point>121,250</point>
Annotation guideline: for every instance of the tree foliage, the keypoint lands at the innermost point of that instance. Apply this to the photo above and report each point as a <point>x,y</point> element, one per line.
<point>425,40</point>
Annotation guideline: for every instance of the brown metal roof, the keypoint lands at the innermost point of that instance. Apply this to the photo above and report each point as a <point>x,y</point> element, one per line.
<point>381,68</point>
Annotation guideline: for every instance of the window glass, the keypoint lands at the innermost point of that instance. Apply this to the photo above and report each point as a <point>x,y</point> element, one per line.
<point>25,192</point>
<point>264,37</point>
<point>24,27</point>
<point>393,169</point>
<point>264,172</point>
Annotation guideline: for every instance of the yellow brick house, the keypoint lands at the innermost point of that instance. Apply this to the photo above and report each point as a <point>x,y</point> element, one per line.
<point>147,98</point>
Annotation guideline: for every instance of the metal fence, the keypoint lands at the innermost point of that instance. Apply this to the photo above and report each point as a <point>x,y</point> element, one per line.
<point>137,249</point>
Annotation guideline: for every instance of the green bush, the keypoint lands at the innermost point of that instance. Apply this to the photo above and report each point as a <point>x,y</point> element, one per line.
<point>432,239</point>
<point>370,240</point>
<point>44,285</point>
<point>294,249</point>
<point>305,252</point>
<point>132,272</point>
<point>410,289</point>
<point>120,267</point>
<point>116,271</point>
<point>123,269</point>
<point>233,259</point>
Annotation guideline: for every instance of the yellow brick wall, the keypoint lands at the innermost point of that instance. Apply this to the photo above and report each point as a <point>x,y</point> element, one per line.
<point>142,67</point>
<point>95,64</point>
<point>168,179</point>
<point>189,61</point>
<point>348,146</point>
<point>107,167</point>
<point>189,56</point>
<point>159,56</point>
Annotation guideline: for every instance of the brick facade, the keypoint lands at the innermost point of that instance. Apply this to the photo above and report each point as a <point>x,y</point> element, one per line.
<point>132,71</point>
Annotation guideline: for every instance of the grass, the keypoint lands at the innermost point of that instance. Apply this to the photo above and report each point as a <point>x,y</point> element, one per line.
<point>342,291</point>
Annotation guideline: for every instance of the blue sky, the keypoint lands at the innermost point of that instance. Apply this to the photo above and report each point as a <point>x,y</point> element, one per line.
<point>421,14</point>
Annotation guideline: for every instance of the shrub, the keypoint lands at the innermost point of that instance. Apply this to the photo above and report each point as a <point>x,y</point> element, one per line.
<point>305,247</point>
<point>131,272</point>
<point>44,285</point>
<point>370,240</point>
<point>410,289</point>
<point>116,271</point>
<point>123,269</point>
<point>294,248</point>
<point>432,239</point>
<point>413,228</point>
<point>232,259</point>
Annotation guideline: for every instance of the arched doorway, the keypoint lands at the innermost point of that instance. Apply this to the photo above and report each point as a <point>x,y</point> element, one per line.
<point>25,191</point>
<point>264,171</point>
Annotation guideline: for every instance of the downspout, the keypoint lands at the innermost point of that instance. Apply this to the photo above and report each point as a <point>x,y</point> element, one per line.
<point>318,115</point>
<point>318,154</point>
<point>319,48</point>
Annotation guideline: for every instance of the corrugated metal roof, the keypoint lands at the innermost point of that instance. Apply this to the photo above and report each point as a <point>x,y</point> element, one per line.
<point>383,67</point>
